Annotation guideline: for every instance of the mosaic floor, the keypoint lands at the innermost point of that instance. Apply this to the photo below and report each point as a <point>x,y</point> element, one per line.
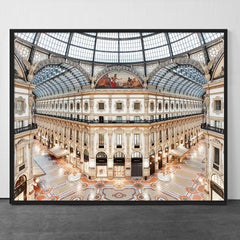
<point>187,181</point>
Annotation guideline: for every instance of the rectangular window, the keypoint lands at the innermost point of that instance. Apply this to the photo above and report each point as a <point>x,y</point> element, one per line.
<point>218,105</point>
<point>20,159</point>
<point>136,140</point>
<point>71,133</point>
<point>217,124</point>
<point>119,119</point>
<point>167,134</point>
<point>216,158</point>
<point>119,140</point>
<point>137,119</point>
<point>159,106</point>
<point>152,139</point>
<point>85,139</point>
<point>101,106</point>
<point>119,106</point>
<point>136,106</point>
<point>77,136</point>
<point>160,135</point>
<point>101,140</point>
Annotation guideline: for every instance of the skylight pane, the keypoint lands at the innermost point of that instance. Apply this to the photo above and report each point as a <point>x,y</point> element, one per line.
<point>208,37</point>
<point>26,36</point>
<point>52,44</point>
<point>80,53</point>
<point>83,41</point>
<point>157,53</point>
<point>107,45</point>
<point>131,57</point>
<point>186,44</point>
<point>60,36</point>
<point>91,33</point>
<point>130,45</point>
<point>129,35</point>
<point>155,41</point>
<point>106,57</point>
<point>147,33</point>
<point>177,36</point>
<point>113,35</point>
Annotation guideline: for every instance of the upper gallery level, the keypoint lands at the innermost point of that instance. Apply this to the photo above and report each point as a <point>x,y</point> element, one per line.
<point>214,99</point>
<point>121,106</point>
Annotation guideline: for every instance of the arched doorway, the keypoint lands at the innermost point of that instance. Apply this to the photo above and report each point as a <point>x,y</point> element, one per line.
<point>152,162</point>
<point>86,161</point>
<point>101,119</point>
<point>217,188</point>
<point>101,162</point>
<point>136,160</point>
<point>20,189</point>
<point>160,158</point>
<point>167,153</point>
<point>119,164</point>
<point>78,157</point>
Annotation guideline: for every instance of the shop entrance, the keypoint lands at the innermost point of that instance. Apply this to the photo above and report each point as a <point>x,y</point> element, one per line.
<point>119,165</point>
<point>20,189</point>
<point>160,158</point>
<point>152,162</point>
<point>101,119</point>
<point>136,160</point>
<point>101,162</point>
<point>86,162</point>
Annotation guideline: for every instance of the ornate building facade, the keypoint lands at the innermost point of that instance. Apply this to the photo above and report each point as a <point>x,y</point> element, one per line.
<point>124,113</point>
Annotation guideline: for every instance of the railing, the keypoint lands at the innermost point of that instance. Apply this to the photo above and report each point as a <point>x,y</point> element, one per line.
<point>211,128</point>
<point>96,121</point>
<point>27,128</point>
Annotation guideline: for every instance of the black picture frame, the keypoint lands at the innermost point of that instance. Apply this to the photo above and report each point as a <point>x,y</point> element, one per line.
<point>151,202</point>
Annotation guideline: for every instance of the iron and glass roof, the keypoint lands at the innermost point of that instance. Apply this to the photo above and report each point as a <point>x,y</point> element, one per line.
<point>119,47</point>
<point>179,79</point>
<point>58,79</point>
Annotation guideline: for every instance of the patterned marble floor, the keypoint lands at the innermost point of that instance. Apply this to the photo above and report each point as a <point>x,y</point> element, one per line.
<point>187,181</point>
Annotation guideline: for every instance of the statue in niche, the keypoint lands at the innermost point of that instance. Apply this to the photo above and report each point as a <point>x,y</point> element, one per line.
<point>222,71</point>
<point>30,68</point>
<point>206,102</point>
<point>206,69</point>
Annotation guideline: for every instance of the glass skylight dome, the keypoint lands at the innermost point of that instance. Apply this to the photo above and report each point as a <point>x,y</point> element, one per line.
<point>119,47</point>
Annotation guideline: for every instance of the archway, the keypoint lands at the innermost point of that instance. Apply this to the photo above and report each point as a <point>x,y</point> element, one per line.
<point>136,160</point>
<point>217,186</point>
<point>101,163</point>
<point>160,158</point>
<point>78,156</point>
<point>86,161</point>
<point>119,164</point>
<point>152,162</point>
<point>20,189</point>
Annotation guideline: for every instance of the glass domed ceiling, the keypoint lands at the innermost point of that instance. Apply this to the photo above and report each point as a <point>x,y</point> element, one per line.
<point>119,47</point>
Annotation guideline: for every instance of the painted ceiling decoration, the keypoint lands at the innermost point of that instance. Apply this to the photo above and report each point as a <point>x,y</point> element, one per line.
<point>118,79</point>
<point>113,51</point>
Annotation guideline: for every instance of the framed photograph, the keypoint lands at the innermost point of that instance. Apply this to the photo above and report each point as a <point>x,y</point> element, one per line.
<point>118,116</point>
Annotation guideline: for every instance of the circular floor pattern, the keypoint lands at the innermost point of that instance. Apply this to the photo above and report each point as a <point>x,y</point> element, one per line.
<point>119,195</point>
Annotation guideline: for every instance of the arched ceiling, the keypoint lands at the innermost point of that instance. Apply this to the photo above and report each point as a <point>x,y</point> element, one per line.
<point>179,79</point>
<point>58,79</point>
<point>119,47</point>
<point>115,49</point>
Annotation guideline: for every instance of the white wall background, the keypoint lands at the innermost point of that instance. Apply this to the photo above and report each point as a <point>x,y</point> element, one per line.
<point>124,14</point>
